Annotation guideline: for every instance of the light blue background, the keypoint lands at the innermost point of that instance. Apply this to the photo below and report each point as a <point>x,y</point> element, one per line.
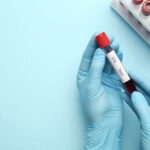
<point>41,44</point>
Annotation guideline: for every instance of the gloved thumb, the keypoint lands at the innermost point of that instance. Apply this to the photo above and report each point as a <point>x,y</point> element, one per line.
<point>141,107</point>
<point>97,65</point>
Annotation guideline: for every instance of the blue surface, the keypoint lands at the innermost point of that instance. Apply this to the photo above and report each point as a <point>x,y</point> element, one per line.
<point>41,46</point>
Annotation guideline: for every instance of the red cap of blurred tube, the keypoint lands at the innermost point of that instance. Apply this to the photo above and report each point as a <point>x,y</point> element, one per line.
<point>102,40</point>
<point>137,2</point>
<point>145,8</point>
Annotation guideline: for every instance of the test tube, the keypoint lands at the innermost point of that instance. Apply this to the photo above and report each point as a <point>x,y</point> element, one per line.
<point>146,8</point>
<point>104,43</point>
<point>137,2</point>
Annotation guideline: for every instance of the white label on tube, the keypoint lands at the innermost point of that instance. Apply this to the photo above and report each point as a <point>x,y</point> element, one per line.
<point>117,65</point>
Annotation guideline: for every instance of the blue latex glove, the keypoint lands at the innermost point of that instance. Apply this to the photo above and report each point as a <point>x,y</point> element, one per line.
<point>100,91</point>
<point>140,104</point>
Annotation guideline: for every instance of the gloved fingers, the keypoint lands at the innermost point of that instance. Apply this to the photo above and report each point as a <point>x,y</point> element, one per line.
<point>115,46</point>
<point>96,69</point>
<point>88,56</point>
<point>110,37</point>
<point>108,67</point>
<point>141,81</point>
<point>127,99</point>
<point>147,97</point>
<point>141,107</point>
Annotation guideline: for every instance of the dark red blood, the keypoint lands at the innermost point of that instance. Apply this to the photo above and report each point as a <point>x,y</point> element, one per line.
<point>130,86</point>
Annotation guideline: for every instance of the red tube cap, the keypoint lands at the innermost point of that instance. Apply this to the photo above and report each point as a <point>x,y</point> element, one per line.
<point>102,40</point>
<point>137,2</point>
<point>146,8</point>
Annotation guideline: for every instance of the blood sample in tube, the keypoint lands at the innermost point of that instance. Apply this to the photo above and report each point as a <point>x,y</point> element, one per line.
<point>104,43</point>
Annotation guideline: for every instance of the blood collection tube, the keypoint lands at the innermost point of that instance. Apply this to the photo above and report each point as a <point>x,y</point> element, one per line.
<point>146,8</point>
<point>137,2</point>
<point>104,43</point>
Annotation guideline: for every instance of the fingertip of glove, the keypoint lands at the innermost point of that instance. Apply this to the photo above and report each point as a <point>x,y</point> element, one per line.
<point>137,97</point>
<point>111,37</point>
<point>115,45</point>
<point>99,51</point>
<point>99,54</point>
<point>130,72</point>
<point>135,94</point>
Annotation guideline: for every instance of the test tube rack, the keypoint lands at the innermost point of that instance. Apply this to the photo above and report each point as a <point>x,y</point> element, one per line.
<point>133,15</point>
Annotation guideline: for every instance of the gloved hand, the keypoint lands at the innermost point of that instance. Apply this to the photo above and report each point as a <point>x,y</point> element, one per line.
<point>100,90</point>
<point>140,104</point>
